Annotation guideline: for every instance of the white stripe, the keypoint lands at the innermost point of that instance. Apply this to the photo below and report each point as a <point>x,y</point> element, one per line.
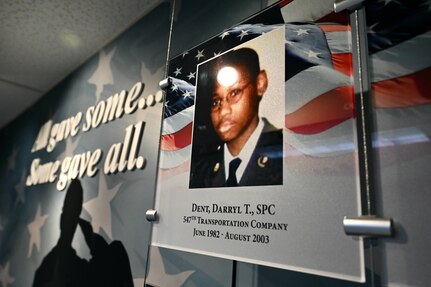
<point>311,83</point>
<point>403,59</point>
<point>178,121</point>
<point>171,159</point>
<point>334,141</point>
<point>339,42</point>
<point>411,127</point>
<point>306,10</point>
<point>414,118</point>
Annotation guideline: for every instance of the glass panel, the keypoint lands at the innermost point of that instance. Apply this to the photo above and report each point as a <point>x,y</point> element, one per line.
<point>399,41</point>
<point>320,176</point>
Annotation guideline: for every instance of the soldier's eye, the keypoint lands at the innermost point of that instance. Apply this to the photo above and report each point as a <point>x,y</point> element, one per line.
<point>216,102</point>
<point>235,93</point>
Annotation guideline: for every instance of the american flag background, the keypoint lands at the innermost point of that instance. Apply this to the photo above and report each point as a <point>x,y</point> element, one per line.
<point>319,89</point>
<point>318,133</point>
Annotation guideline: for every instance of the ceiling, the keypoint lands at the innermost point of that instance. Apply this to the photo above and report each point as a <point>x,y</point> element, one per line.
<point>41,42</point>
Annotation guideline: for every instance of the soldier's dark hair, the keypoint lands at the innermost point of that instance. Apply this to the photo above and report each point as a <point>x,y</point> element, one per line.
<point>244,56</point>
<point>207,75</point>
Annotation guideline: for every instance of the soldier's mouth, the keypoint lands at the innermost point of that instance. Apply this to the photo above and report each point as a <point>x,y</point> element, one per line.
<point>225,126</point>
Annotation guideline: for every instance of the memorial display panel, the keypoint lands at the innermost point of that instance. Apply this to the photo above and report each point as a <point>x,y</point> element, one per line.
<point>290,121</point>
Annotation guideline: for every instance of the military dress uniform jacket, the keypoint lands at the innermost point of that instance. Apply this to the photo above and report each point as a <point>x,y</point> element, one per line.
<point>264,168</point>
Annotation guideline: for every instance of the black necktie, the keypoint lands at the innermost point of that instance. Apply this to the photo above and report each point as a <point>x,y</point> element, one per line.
<point>233,166</point>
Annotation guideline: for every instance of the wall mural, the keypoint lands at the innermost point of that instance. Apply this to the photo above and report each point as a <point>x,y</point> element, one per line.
<point>81,169</point>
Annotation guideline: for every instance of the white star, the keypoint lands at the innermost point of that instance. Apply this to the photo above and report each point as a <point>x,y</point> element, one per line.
<point>103,74</point>
<point>178,71</point>
<point>191,75</point>
<point>157,274</point>
<point>99,207</point>
<point>34,229</point>
<point>70,148</point>
<point>312,54</point>
<point>243,33</point>
<point>300,32</point>
<point>20,188</point>
<point>185,53</point>
<point>174,87</point>
<point>12,159</point>
<point>290,43</point>
<point>371,28</point>
<point>217,54</point>
<point>166,104</point>
<point>224,35</point>
<point>186,94</point>
<point>200,54</point>
<point>5,277</point>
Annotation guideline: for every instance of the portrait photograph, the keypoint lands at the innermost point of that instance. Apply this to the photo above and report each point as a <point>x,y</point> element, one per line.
<point>239,117</point>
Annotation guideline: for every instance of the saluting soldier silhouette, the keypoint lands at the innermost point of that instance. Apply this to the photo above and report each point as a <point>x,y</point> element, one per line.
<point>62,267</point>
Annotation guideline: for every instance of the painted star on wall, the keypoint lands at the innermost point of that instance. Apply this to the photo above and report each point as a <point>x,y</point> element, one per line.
<point>149,78</point>
<point>157,274</point>
<point>20,188</point>
<point>70,148</point>
<point>151,81</point>
<point>5,277</point>
<point>34,229</point>
<point>99,207</point>
<point>103,74</point>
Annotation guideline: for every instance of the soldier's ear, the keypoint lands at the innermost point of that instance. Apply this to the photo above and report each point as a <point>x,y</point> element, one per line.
<point>261,83</point>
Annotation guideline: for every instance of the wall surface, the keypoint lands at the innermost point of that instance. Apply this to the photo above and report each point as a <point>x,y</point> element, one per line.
<point>114,203</point>
<point>36,220</point>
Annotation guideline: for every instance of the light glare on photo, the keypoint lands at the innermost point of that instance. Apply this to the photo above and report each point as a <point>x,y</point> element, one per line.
<point>227,76</point>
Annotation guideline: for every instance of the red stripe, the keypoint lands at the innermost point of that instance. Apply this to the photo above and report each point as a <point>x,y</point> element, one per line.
<point>167,173</point>
<point>323,112</point>
<point>343,63</point>
<point>177,140</point>
<point>328,28</point>
<point>341,18</point>
<point>284,3</point>
<point>411,90</point>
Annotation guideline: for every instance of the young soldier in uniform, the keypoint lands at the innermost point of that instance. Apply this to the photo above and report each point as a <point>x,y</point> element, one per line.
<point>250,149</point>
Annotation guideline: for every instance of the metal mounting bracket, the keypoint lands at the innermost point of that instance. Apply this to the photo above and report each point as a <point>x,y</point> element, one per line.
<point>340,5</point>
<point>163,84</point>
<point>151,215</point>
<point>368,226</point>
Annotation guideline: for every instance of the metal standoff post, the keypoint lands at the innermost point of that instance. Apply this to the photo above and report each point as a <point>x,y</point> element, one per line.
<point>151,215</point>
<point>163,84</point>
<point>368,226</point>
<point>340,5</point>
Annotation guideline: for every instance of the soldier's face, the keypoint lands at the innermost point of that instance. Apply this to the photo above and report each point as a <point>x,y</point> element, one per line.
<point>234,107</point>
